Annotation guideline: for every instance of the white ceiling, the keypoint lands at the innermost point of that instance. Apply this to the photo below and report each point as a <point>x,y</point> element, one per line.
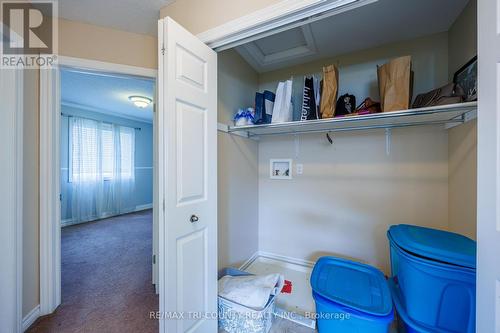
<point>127,15</point>
<point>382,22</point>
<point>107,93</point>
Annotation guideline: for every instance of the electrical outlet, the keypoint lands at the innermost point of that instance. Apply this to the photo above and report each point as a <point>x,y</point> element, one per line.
<point>300,169</point>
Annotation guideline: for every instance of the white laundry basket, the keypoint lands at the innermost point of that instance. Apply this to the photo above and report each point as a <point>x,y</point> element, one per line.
<point>236,318</point>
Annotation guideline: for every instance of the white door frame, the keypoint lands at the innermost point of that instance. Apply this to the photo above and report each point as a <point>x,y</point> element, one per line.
<point>50,207</point>
<point>281,16</point>
<point>11,232</point>
<point>11,194</point>
<point>488,174</point>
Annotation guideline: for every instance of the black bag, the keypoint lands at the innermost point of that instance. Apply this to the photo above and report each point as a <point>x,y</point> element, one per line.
<point>346,104</point>
<point>309,109</point>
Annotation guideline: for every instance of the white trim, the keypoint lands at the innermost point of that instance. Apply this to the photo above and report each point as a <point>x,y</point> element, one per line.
<point>279,257</point>
<point>68,222</point>
<point>50,235</point>
<point>19,191</point>
<point>160,172</point>
<point>11,228</point>
<point>138,208</point>
<point>282,16</point>
<point>50,219</point>
<point>31,317</point>
<point>105,112</point>
<point>260,61</point>
<point>94,65</point>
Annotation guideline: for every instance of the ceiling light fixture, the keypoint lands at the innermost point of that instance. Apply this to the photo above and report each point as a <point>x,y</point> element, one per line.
<point>140,101</point>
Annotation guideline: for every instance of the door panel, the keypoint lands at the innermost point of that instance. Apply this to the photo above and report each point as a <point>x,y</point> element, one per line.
<point>191,69</point>
<point>188,230</point>
<point>191,166</point>
<point>192,263</point>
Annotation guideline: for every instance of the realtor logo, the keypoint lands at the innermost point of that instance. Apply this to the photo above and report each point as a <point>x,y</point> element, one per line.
<point>29,33</point>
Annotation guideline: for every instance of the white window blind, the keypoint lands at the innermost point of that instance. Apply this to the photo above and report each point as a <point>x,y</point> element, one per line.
<point>100,151</point>
<point>108,151</point>
<point>127,137</point>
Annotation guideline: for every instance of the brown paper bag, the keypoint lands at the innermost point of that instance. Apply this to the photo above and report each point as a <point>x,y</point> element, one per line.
<point>329,91</point>
<point>394,82</point>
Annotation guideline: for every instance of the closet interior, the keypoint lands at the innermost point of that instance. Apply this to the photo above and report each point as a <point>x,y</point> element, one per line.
<point>352,177</point>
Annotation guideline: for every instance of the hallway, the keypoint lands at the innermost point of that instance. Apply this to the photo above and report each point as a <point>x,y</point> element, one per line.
<point>106,277</point>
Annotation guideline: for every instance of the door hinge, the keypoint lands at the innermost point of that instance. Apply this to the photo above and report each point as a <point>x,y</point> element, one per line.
<point>154,259</point>
<point>163,205</point>
<point>60,197</point>
<point>163,49</point>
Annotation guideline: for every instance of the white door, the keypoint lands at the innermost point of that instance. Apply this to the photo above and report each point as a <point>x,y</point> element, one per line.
<point>488,191</point>
<point>188,229</point>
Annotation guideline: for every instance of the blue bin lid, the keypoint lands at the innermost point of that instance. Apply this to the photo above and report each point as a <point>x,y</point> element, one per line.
<point>355,285</point>
<point>435,244</point>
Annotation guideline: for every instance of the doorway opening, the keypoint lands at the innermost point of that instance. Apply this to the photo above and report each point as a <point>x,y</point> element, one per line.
<point>106,229</point>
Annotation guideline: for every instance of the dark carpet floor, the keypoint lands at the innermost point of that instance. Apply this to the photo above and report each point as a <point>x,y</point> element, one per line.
<point>106,278</point>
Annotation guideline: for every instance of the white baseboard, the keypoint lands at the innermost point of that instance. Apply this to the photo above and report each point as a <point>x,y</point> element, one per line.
<point>302,262</point>
<point>68,222</point>
<point>143,207</point>
<point>31,317</point>
<point>289,263</point>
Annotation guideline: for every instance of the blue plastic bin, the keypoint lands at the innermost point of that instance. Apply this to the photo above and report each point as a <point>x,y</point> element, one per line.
<point>436,278</point>
<point>350,297</point>
<point>405,323</point>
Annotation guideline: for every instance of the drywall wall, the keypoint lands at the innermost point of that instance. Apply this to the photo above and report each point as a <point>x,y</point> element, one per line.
<point>31,266</point>
<point>237,165</point>
<point>462,44</point>
<point>462,38</point>
<point>351,192</point>
<point>143,192</point>
<point>81,40</point>
<point>462,181</point>
<point>358,71</point>
<point>200,15</point>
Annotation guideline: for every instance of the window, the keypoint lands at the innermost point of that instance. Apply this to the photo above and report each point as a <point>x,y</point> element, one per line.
<point>100,151</point>
<point>127,137</point>
<point>108,151</point>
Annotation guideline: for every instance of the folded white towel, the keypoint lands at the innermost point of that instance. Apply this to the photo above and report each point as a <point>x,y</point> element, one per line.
<point>250,290</point>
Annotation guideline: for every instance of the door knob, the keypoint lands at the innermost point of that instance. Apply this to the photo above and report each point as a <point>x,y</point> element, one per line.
<point>194,218</point>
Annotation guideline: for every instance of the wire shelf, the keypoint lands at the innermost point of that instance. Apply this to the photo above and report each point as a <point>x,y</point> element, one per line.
<point>443,114</point>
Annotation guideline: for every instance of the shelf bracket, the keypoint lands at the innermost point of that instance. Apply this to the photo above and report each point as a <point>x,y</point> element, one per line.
<point>225,129</point>
<point>388,139</point>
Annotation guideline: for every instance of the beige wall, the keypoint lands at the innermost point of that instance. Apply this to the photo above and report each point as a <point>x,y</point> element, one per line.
<point>351,192</point>
<point>200,15</point>
<point>30,192</point>
<point>462,149</point>
<point>237,165</point>
<point>87,41</point>
<point>462,185</point>
<point>358,70</point>
<point>462,40</point>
